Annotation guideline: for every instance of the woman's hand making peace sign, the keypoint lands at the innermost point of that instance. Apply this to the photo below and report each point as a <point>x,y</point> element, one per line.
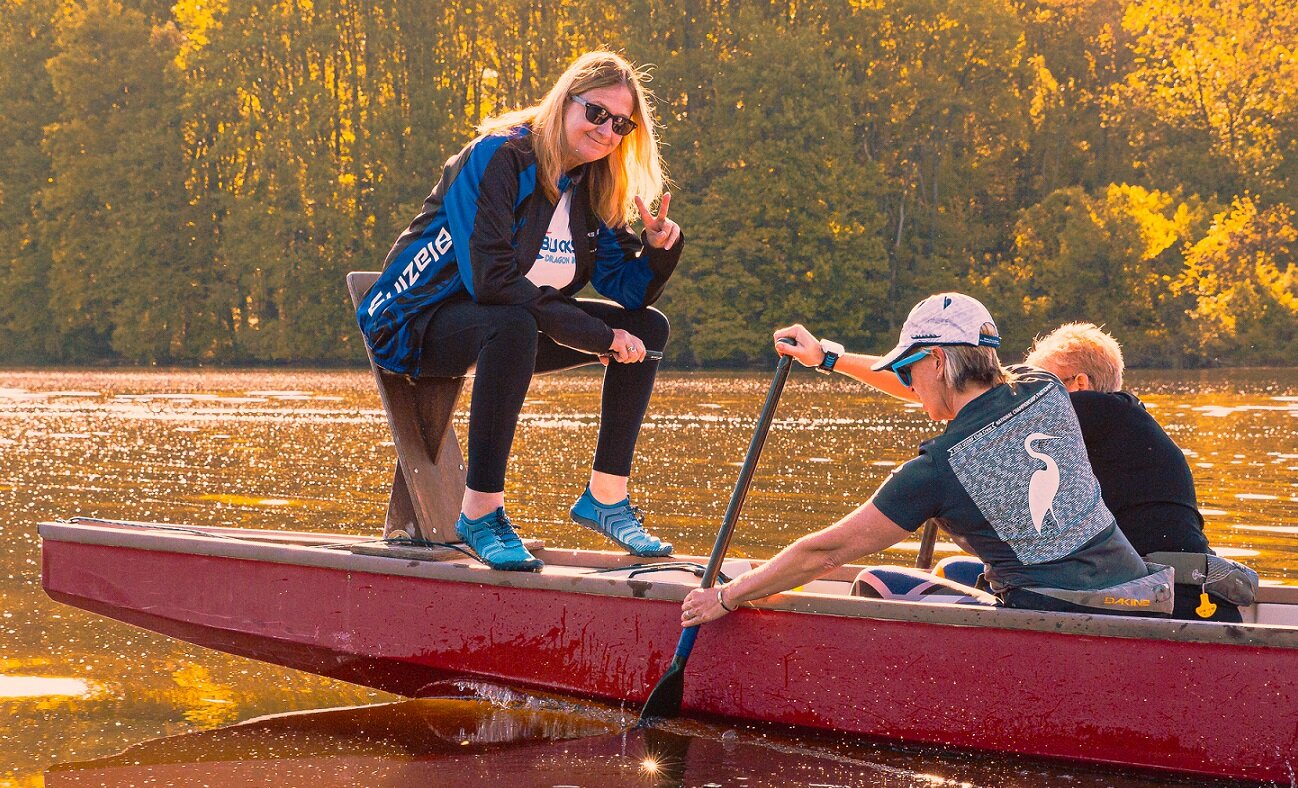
<point>660,232</point>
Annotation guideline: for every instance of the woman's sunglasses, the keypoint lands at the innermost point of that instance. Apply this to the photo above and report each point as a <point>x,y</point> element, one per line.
<point>902,366</point>
<point>622,125</point>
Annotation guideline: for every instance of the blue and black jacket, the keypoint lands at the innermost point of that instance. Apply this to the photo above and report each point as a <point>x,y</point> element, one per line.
<point>479,234</point>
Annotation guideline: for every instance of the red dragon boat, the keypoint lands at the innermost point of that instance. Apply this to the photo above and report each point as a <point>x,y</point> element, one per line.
<point>1177,696</point>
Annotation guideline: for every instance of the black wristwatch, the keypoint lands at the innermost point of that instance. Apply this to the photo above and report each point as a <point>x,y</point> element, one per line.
<point>832,351</point>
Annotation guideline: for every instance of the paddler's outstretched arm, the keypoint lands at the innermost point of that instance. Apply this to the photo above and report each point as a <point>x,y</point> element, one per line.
<point>855,365</point>
<point>866,530</point>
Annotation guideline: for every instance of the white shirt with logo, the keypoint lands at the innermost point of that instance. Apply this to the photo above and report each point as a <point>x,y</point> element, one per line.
<point>556,263</point>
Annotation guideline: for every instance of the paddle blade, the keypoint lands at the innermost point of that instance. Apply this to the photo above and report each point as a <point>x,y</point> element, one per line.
<point>665,701</point>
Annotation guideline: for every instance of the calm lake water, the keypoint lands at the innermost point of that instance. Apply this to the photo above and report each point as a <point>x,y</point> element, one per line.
<point>309,450</point>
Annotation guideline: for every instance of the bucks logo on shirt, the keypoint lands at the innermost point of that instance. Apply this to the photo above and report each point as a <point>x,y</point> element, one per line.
<point>556,262</point>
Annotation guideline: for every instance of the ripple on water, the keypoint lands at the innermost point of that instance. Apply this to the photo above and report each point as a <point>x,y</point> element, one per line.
<point>1234,552</point>
<point>281,394</point>
<point>44,687</point>
<point>1269,529</point>
<point>247,500</point>
<point>1220,411</point>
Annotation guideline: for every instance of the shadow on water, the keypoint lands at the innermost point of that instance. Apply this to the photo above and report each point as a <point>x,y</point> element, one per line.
<point>481,734</point>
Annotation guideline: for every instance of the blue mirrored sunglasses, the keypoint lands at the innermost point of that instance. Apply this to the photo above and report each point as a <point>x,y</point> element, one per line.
<point>901,367</point>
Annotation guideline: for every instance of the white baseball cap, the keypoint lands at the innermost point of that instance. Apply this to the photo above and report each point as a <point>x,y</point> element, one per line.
<point>943,319</point>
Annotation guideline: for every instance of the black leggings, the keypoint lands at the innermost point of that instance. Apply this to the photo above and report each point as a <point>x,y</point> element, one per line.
<point>507,349</point>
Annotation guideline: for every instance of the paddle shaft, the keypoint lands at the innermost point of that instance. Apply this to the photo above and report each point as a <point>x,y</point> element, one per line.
<point>927,543</point>
<point>740,494</point>
<point>649,355</point>
<point>665,699</point>
<point>745,480</point>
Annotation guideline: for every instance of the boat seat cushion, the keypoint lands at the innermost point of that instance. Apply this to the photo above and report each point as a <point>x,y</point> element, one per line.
<point>915,585</point>
<point>960,569</point>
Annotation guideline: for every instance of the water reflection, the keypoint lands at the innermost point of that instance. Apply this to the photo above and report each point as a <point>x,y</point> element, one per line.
<point>44,687</point>
<point>534,741</point>
<point>308,450</point>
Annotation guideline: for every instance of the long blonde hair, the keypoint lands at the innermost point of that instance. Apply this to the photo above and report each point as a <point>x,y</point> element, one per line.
<point>633,168</point>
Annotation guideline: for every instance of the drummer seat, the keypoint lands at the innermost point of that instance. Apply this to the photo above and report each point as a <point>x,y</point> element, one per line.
<point>429,479</point>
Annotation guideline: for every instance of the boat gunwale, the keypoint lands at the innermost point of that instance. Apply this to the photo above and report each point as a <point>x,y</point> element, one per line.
<point>327,551</point>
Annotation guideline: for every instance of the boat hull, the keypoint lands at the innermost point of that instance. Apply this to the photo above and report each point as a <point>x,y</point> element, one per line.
<point>1212,708</point>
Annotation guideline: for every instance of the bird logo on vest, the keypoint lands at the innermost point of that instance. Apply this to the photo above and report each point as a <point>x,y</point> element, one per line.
<point>1044,484</point>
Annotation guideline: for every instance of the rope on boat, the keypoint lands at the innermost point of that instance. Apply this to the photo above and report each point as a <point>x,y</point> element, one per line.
<point>406,541</point>
<point>639,569</point>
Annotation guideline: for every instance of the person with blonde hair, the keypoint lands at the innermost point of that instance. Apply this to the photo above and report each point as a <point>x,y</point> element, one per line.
<point>1144,476</point>
<point>527,214</point>
<point>1007,478</point>
<point>1082,355</point>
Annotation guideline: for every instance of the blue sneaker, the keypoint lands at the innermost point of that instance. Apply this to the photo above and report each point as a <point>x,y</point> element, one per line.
<point>492,537</point>
<point>621,522</point>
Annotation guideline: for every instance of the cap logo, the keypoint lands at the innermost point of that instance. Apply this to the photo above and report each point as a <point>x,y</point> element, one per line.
<point>946,301</point>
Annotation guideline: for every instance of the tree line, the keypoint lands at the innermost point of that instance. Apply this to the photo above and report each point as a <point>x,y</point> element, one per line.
<point>189,182</point>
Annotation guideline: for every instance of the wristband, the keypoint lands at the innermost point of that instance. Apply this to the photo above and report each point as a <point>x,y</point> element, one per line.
<point>832,351</point>
<point>721,600</point>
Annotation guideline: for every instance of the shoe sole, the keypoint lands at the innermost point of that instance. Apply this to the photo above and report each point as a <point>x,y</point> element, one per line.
<point>593,525</point>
